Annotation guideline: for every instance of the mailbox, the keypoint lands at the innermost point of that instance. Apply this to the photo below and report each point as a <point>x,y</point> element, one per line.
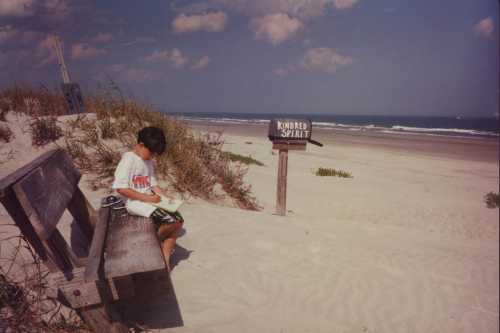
<point>290,129</point>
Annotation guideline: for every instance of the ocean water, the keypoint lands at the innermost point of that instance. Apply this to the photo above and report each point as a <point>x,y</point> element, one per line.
<point>438,126</point>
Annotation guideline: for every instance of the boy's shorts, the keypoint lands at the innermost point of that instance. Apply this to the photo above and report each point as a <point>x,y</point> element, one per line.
<point>168,219</point>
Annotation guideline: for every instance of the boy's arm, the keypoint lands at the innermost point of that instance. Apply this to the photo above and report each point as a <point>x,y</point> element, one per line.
<point>157,190</point>
<point>134,195</point>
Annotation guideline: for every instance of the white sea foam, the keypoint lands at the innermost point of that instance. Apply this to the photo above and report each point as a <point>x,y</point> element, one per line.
<point>396,129</point>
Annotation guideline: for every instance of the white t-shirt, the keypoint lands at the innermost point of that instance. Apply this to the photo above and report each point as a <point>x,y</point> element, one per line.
<point>138,174</point>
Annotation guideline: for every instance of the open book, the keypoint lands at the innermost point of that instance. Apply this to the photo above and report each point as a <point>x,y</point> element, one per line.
<point>170,205</point>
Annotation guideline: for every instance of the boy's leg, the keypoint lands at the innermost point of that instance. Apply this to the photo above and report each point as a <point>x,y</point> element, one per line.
<point>168,233</point>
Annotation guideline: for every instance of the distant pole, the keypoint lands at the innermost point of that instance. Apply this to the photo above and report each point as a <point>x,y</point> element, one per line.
<point>60,59</point>
<point>282,174</point>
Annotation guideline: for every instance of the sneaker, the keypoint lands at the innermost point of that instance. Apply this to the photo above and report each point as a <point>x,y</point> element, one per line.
<point>118,206</point>
<point>110,201</point>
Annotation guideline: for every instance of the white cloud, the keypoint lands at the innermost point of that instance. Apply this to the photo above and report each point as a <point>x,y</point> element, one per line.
<point>17,8</point>
<point>485,27</point>
<point>56,9</point>
<point>324,59</point>
<point>137,75</point>
<point>84,50</point>
<point>211,22</point>
<point>102,38</point>
<point>302,9</point>
<point>175,57</point>
<point>275,28</point>
<point>344,4</point>
<point>201,63</point>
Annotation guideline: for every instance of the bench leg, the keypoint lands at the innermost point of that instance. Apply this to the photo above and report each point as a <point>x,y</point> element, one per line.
<point>101,318</point>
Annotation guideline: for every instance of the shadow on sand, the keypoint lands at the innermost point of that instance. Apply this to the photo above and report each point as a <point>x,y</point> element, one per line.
<point>154,305</point>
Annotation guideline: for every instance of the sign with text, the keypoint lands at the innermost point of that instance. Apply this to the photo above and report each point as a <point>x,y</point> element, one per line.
<point>290,129</point>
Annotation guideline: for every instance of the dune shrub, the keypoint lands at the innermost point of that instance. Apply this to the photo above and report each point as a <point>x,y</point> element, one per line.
<point>328,172</point>
<point>34,102</point>
<point>191,164</point>
<point>248,160</point>
<point>492,200</point>
<point>5,133</point>
<point>44,130</point>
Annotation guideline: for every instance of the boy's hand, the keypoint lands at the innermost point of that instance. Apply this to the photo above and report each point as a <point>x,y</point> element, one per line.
<point>154,198</point>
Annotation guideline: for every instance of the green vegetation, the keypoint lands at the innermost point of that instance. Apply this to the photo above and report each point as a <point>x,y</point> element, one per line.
<point>44,130</point>
<point>332,173</point>
<point>192,164</point>
<point>248,160</point>
<point>492,200</point>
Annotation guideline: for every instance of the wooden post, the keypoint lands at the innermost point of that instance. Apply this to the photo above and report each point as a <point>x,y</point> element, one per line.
<point>282,174</point>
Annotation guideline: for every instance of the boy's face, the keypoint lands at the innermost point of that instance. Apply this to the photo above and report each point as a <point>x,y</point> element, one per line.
<point>144,152</point>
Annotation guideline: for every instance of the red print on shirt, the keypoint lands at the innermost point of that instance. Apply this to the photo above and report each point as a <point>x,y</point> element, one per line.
<point>141,181</point>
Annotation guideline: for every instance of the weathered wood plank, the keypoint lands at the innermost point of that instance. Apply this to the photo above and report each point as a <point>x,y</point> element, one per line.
<point>282,178</point>
<point>131,247</point>
<point>96,251</point>
<point>82,213</point>
<point>289,145</point>
<point>15,210</point>
<point>56,155</point>
<point>44,195</point>
<point>75,290</point>
<point>8,181</point>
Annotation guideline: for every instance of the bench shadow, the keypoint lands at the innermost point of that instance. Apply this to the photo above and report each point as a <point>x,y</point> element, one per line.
<point>155,304</point>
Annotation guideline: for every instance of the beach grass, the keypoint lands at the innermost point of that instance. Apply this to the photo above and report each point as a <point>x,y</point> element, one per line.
<point>329,172</point>
<point>248,160</point>
<point>191,165</point>
<point>44,130</point>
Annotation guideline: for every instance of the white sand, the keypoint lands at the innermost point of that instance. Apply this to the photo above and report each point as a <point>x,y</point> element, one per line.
<point>407,245</point>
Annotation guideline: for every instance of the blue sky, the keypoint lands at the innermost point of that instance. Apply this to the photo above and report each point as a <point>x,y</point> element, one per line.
<point>385,57</point>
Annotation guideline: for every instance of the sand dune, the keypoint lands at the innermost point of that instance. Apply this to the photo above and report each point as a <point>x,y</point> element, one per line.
<point>407,245</point>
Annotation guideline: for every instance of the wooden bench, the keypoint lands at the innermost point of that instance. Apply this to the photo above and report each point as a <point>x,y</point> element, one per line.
<point>119,245</point>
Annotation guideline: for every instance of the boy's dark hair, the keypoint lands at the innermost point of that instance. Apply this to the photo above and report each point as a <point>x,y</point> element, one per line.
<point>153,138</point>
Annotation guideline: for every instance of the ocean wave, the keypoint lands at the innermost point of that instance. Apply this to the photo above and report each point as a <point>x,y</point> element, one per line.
<point>395,129</point>
<point>452,131</point>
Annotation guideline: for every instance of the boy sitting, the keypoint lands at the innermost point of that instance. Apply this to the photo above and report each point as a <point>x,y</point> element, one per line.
<point>136,181</point>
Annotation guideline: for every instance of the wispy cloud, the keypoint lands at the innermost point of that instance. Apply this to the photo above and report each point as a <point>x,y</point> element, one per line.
<point>17,8</point>
<point>302,9</point>
<point>485,27</point>
<point>84,50</point>
<point>344,4</point>
<point>275,28</point>
<point>324,59</point>
<point>102,37</point>
<point>55,9</point>
<point>140,40</point>
<point>321,59</point>
<point>201,63</point>
<point>174,57</point>
<point>211,22</point>
<point>131,74</point>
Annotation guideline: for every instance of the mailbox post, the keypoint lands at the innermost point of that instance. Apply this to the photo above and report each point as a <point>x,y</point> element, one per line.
<point>288,134</point>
